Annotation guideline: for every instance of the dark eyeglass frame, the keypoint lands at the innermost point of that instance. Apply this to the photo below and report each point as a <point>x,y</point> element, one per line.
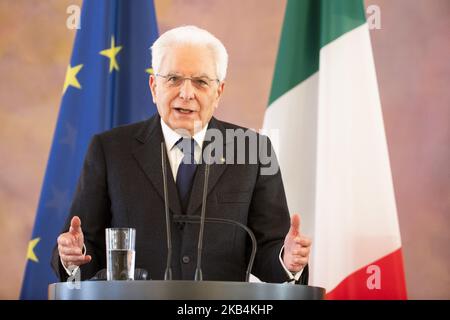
<point>174,80</point>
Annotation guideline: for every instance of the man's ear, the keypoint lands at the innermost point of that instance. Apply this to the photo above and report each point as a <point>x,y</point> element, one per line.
<point>152,86</point>
<point>220,89</point>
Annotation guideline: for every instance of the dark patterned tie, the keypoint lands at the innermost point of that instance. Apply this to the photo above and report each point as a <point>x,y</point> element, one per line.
<point>186,170</point>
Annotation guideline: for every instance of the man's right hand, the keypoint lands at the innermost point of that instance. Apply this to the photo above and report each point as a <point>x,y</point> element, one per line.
<point>70,245</point>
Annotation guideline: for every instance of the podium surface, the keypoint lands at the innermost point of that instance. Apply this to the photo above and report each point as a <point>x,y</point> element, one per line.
<point>181,290</point>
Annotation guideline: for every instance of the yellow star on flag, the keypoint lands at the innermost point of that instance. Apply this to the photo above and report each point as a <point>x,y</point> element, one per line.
<point>71,77</point>
<point>149,70</point>
<point>30,253</point>
<point>111,54</point>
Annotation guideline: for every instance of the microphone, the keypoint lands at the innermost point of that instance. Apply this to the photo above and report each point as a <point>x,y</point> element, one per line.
<point>198,270</point>
<point>203,219</point>
<point>168,272</point>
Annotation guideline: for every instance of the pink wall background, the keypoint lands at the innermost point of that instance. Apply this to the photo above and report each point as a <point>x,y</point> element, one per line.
<point>411,55</point>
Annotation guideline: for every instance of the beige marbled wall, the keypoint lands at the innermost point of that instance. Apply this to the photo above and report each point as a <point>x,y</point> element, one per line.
<point>35,48</point>
<point>411,54</point>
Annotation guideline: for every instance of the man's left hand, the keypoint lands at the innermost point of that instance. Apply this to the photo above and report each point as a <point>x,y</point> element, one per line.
<point>296,247</point>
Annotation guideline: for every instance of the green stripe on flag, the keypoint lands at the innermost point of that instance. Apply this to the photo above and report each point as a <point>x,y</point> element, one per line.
<point>308,26</point>
<point>339,17</point>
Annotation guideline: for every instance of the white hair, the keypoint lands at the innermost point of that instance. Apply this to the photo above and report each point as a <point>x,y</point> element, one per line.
<point>190,35</point>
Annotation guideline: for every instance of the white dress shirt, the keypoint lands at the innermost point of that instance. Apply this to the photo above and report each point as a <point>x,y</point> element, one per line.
<point>174,153</point>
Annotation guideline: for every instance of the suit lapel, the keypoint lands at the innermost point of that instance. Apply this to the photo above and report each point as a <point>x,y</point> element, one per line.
<point>215,172</point>
<point>148,155</point>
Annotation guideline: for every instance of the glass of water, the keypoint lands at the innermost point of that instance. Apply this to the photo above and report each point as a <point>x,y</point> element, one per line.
<point>120,253</point>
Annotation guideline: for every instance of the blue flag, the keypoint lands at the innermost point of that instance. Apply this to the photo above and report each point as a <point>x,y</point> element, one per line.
<point>106,85</point>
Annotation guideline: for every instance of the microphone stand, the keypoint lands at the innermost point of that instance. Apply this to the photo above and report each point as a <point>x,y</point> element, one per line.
<point>197,219</point>
<point>198,270</point>
<point>168,272</point>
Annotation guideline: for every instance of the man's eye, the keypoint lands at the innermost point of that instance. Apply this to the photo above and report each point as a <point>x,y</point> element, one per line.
<point>173,79</point>
<point>201,82</point>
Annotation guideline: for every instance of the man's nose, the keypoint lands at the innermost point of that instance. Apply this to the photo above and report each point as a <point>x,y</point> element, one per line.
<point>187,90</point>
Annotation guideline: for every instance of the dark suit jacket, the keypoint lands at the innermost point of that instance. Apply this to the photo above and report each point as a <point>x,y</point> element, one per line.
<point>121,185</point>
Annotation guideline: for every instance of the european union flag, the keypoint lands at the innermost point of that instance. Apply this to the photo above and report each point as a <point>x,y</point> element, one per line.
<point>106,85</point>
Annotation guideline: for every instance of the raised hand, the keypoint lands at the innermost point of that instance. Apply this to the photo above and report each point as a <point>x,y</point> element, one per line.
<point>296,247</point>
<point>70,245</point>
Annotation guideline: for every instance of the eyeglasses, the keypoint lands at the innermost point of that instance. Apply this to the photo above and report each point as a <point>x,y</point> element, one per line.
<point>173,81</point>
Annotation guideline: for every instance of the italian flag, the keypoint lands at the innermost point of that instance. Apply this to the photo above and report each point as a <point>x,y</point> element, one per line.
<point>325,120</point>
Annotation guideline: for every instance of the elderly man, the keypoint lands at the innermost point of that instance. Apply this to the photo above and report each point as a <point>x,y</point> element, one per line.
<point>121,184</point>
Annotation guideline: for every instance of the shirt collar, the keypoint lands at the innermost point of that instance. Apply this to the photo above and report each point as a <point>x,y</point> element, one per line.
<point>171,136</point>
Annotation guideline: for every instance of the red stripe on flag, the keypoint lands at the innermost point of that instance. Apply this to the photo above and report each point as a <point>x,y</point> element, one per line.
<point>382,279</point>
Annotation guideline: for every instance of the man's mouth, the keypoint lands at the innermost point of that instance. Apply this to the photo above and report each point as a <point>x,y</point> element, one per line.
<point>184,111</point>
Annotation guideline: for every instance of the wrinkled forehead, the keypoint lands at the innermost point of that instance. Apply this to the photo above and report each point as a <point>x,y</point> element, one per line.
<point>189,60</point>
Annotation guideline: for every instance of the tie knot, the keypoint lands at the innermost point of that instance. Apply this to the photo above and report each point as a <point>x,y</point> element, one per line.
<point>186,145</point>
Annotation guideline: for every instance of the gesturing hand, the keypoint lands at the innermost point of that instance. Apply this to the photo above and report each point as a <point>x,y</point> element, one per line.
<point>70,245</point>
<point>296,247</point>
